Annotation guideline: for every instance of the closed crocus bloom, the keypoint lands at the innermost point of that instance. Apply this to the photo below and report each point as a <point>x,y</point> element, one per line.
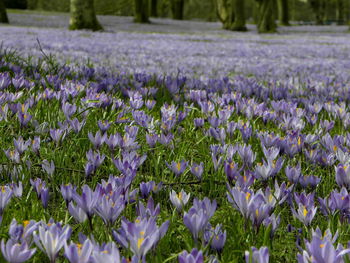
<point>197,170</point>
<point>15,252</point>
<point>196,220</point>
<point>5,197</point>
<point>51,239</point>
<point>179,200</point>
<point>194,257</point>
<point>77,212</point>
<point>78,253</point>
<point>342,176</point>
<point>257,256</point>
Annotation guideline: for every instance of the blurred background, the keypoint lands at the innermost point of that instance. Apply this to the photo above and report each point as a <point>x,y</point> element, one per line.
<point>334,11</point>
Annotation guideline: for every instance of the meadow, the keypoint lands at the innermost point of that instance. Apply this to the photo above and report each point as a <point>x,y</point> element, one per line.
<point>196,145</point>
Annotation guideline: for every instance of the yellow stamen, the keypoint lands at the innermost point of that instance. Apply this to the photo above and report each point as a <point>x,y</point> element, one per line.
<point>247,196</point>
<point>178,166</point>
<point>25,223</point>
<point>322,245</point>
<point>180,196</point>
<point>139,242</point>
<point>305,212</point>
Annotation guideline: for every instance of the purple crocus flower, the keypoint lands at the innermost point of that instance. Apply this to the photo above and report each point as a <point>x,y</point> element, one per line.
<point>179,200</point>
<point>36,145</point>
<point>209,207</point>
<point>305,213</point>
<point>67,191</point>
<point>13,155</point>
<point>140,236</point>
<point>257,256</point>
<point>51,239</point>
<point>5,197</point>
<point>98,139</point>
<point>22,233</point>
<point>20,145</point>
<point>103,125</point>
<point>342,176</point>
<point>177,167</point>
<point>197,170</point>
<point>231,170</point>
<point>247,155</point>
<point>152,139</point>
<point>79,253</point>
<point>194,257</point>
<point>24,118</point>
<point>41,190</point>
<point>69,109</point>
<point>149,210</point>
<point>107,253</point>
<point>321,249</point>
<point>215,236</point>
<point>198,122</point>
<point>109,207</point>
<point>87,201</point>
<point>15,252</point>
<point>48,167</point>
<point>75,125</point>
<point>196,220</point>
<point>77,212</point>
<point>57,134</point>
<point>146,188</point>
<point>293,173</point>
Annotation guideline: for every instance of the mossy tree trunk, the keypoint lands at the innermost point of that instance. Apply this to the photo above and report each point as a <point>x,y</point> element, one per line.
<point>83,16</point>
<point>283,15</point>
<point>232,14</point>
<point>340,12</point>
<point>154,8</point>
<point>177,9</point>
<point>141,11</point>
<point>3,13</point>
<point>239,16</point>
<point>266,20</point>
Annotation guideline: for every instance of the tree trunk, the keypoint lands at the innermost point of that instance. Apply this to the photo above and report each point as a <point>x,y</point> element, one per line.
<point>232,14</point>
<point>340,12</point>
<point>141,11</point>
<point>317,6</point>
<point>266,22</point>
<point>83,15</point>
<point>239,15</point>
<point>3,13</point>
<point>154,8</point>
<point>177,9</point>
<point>283,10</point>
<point>225,14</point>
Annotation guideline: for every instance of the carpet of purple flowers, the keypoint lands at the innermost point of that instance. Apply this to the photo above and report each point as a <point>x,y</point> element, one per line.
<point>189,148</point>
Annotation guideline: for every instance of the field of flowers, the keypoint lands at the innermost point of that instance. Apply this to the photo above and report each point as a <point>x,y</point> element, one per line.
<point>181,147</point>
